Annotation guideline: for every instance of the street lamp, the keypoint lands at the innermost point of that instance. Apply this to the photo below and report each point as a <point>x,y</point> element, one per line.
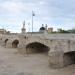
<point>32,19</point>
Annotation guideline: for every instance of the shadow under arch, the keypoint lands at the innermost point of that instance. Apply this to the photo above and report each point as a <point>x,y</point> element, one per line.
<point>15,43</point>
<point>36,47</point>
<point>6,40</point>
<point>69,58</point>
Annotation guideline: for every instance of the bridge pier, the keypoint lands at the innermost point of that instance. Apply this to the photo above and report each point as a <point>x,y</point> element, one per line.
<point>56,59</point>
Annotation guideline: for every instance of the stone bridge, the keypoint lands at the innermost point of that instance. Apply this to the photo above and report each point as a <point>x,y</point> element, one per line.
<point>59,47</point>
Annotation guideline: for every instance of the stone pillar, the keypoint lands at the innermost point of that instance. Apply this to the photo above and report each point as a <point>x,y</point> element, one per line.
<point>56,59</point>
<point>56,55</point>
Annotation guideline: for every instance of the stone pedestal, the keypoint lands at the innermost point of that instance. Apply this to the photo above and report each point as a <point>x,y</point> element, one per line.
<point>56,59</point>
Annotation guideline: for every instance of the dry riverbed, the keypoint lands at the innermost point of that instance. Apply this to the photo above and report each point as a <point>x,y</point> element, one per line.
<point>13,63</point>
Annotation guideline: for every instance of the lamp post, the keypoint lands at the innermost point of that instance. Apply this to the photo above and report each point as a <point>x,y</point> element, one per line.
<point>32,19</point>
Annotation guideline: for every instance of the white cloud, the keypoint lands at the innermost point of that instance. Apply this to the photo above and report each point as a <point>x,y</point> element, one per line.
<point>11,7</point>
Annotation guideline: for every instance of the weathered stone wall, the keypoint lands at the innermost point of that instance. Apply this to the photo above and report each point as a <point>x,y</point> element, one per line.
<point>56,59</point>
<point>56,54</point>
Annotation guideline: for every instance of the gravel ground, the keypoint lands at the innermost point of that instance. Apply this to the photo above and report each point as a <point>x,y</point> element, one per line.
<point>13,63</point>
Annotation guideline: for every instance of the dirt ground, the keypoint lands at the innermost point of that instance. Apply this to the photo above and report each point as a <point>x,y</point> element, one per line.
<point>13,63</point>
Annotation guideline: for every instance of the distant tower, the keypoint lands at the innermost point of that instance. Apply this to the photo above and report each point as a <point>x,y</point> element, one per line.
<point>23,29</point>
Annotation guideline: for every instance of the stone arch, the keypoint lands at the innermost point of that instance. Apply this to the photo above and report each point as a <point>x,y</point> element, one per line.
<point>69,58</point>
<point>6,41</point>
<point>15,43</point>
<point>37,47</point>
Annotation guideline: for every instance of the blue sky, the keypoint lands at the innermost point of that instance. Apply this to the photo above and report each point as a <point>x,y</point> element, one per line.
<point>54,13</point>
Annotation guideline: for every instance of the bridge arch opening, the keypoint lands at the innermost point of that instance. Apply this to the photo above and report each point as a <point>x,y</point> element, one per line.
<point>15,43</point>
<point>69,58</point>
<point>6,40</point>
<point>37,47</point>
